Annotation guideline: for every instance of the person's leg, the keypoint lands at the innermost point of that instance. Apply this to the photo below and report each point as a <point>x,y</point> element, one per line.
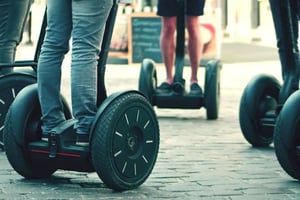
<point>89,19</point>
<point>195,46</point>
<point>167,43</point>
<point>167,9</point>
<point>287,43</point>
<point>13,17</point>
<point>298,9</point>
<point>55,46</point>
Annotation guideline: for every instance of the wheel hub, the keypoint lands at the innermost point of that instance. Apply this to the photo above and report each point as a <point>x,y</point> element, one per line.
<point>134,139</point>
<point>131,142</point>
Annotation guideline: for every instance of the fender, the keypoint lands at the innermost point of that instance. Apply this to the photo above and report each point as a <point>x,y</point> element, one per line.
<point>25,73</point>
<point>146,82</point>
<point>107,102</point>
<point>27,96</point>
<point>26,103</point>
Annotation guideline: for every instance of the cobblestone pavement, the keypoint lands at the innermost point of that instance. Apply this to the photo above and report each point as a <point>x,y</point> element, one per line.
<point>198,158</point>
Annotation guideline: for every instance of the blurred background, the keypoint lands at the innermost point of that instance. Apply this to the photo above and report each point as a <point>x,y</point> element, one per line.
<point>228,27</point>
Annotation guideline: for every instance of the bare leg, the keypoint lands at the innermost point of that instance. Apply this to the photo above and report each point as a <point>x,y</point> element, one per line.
<point>195,45</point>
<point>167,44</point>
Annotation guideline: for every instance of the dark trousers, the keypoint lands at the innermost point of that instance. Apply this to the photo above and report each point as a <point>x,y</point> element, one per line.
<point>13,14</point>
<point>285,17</point>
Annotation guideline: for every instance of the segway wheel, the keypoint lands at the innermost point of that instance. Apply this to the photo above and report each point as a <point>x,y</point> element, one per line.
<point>257,110</point>
<point>148,79</point>
<point>287,136</point>
<point>212,89</point>
<point>22,126</point>
<point>125,142</point>
<point>10,85</point>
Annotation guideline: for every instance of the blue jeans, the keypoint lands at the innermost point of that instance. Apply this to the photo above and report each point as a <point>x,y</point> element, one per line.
<point>13,14</point>
<point>84,21</point>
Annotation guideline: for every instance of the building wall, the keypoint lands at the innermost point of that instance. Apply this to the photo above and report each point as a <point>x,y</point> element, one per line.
<point>241,20</point>
<point>247,20</point>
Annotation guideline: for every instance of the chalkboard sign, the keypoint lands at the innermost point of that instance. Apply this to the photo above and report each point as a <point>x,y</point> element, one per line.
<point>144,32</point>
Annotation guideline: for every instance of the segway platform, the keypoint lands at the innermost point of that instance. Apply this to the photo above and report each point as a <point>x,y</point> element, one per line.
<point>123,146</point>
<point>173,100</point>
<point>178,97</point>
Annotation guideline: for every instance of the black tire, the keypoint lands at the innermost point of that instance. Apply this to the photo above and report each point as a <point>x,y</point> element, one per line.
<point>148,79</point>
<point>259,98</point>
<point>22,126</point>
<point>287,136</point>
<point>212,89</point>
<point>10,85</point>
<point>125,142</point>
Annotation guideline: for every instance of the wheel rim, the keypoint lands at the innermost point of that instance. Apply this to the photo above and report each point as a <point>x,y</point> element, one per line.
<point>133,144</point>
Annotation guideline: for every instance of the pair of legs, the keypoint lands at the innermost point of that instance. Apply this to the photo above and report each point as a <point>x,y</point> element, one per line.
<point>168,10</point>
<point>84,22</point>
<point>13,15</point>
<point>168,45</point>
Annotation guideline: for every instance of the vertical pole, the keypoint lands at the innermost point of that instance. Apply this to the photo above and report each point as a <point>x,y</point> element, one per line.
<point>180,47</point>
<point>102,94</point>
<point>29,24</point>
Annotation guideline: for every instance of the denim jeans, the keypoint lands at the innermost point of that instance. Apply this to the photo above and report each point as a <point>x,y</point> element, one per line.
<point>13,14</point>
<point>84,22</point>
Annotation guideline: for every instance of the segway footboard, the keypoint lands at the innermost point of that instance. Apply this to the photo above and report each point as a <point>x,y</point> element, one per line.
<point>183,101</point>
<point>61,151</point>
<point>22,127</point>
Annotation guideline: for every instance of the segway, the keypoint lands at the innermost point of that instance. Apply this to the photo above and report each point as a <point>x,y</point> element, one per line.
<point>178,97</point>
<point>287,127</point>
<point>124,137</point>
<point>12,83</point>
<point>263,97</point>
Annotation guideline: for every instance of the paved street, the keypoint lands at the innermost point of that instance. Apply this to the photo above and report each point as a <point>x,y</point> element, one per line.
<point>198,159</point>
